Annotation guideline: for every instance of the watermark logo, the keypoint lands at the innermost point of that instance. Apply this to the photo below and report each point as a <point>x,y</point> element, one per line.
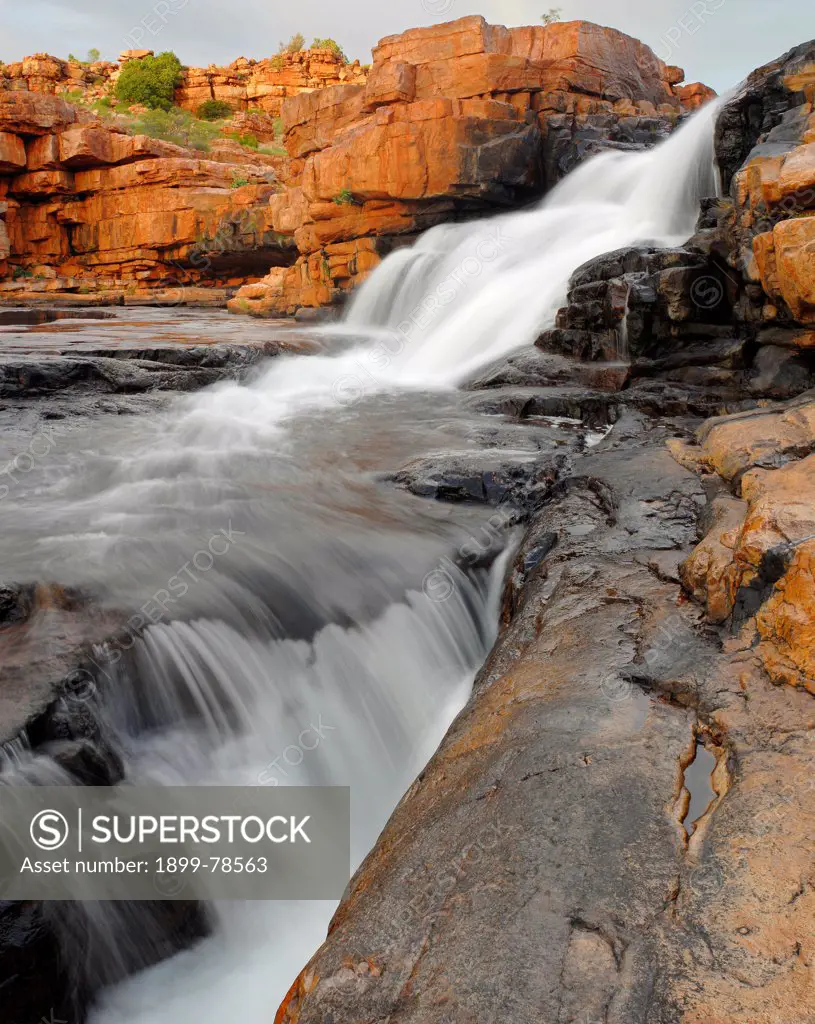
<point>616,689</point>
<point>49,830</point>
<point>438,7</point>
<point>706,292</point>
<point>438,586</point>
<point>707,880</point>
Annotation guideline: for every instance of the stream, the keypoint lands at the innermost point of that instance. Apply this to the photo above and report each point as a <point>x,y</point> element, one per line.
<point>304,593</point>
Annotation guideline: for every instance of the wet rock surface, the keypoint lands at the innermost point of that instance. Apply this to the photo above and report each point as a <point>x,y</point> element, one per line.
<point>58,372</point>
<point>555,861</point>
<point>44,352</point>
<point>541,867</point>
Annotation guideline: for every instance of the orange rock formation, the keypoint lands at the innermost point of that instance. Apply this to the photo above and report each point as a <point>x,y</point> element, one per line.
<point>88,208</point>
<point>244,84</point>
<point>453,118</point>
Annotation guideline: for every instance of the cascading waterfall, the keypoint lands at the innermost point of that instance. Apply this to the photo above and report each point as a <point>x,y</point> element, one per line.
<point>467,294</point>
<point>317,618</point>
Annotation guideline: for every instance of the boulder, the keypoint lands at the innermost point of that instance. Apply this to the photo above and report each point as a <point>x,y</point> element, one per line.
<point>755,566</point>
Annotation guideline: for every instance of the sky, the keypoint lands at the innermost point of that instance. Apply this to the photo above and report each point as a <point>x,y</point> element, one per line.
<point>715,41</point>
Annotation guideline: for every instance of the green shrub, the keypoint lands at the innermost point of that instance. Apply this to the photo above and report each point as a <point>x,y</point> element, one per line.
<point>278,127</point>
<point>247,139</point>
<point>294,45</point>
<point>214,110</point>
<point>73,60</point>
<point>93,55</point>
<point>178,126</point>
<point>345,197</point>
<point>330,44</point>
<point>551,16</point>
<point>277,63</point>
<point>239,182</point>
<point>150,81</point>
<point>103,107</point>
<point>273,150</point>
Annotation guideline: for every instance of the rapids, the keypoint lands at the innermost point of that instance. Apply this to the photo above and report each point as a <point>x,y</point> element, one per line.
<point>336,602</point>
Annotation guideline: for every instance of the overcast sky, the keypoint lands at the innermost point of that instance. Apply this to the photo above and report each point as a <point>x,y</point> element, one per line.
<point>716,41</point>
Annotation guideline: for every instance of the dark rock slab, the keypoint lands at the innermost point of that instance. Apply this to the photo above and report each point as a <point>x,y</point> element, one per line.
<point>541,867</point>
<point>764,111</point>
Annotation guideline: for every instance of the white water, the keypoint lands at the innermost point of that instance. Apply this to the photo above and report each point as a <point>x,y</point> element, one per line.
<point>467,294</point>
<point>388,686</point>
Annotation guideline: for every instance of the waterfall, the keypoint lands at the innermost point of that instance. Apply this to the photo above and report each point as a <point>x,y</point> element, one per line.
<point>317,617</point>
<point>466,294</point>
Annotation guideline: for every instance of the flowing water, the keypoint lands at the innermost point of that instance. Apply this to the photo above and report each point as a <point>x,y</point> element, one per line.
<point>330,601</point>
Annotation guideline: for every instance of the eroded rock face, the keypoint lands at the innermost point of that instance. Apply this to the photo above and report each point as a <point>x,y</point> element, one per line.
<point>92,209</point>
<point>541,867</point>
<point>243,84</point>
<point>454,120</point>
<point>766,149</point>
<point>754,569</point>
<point>265,84</point>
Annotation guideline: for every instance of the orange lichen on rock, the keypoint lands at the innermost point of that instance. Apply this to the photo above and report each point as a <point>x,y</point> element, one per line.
<point>775,211</point>
<point>729,445</point>
<point>786,624</point>
<point>774,520</point>
<point>304,983</point>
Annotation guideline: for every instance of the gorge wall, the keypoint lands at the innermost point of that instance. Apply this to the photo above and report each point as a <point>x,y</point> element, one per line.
<point>453,121</point>
<point>244,84</point>
<point>93,214</point>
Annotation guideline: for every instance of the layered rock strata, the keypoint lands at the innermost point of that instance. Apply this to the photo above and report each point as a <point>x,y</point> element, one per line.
<point>453,121</point>
<point>244,84</point>
<point>90,209</point>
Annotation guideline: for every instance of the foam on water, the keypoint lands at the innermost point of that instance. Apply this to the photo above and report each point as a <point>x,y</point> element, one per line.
<point>218,696</point>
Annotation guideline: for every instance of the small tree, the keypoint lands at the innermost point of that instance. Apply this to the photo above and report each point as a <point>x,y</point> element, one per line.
<point>214,110</point>
<point>294,45</point>
<point>150,81</point>
<point>178,126</point>
<point>330,44</point>
<point>552,15</point>
<point>93,55</point>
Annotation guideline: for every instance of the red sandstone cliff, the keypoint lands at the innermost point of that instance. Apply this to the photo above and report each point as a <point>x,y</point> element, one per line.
<point>454,119</point>
<point>89,209</point>
<point>244,84</point>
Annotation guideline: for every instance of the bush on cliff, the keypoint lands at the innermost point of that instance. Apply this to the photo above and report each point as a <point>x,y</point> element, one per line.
<point>150,81</point>
<point>330,44</point>
<point>214,110</point>
<point>294,45</point>
<point>178,126</point>
<point>246,139</point>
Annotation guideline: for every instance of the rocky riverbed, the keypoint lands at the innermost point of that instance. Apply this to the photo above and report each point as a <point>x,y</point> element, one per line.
<point>617,824</point>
